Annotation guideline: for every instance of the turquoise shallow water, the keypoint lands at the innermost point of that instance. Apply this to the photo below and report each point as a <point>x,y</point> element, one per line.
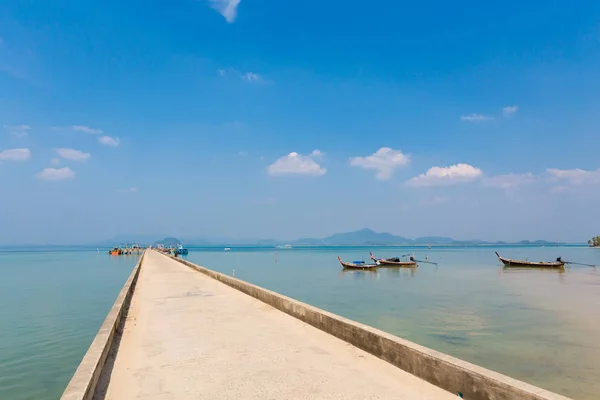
<point>539,326</point>
<point>52,305</point>
<point>542,327</point>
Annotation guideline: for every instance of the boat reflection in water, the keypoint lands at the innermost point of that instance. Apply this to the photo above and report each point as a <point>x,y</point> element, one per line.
<point>400,271</point>
<point>359,273</point>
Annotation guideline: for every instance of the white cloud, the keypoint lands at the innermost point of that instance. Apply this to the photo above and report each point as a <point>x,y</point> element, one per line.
<point>109,141</point>
<point>72,154</point>
<point>131,189</point>
<point>227,8</point>
<point>86,129</point>
<point>295,164</point>
<point>15,155</point>
<point>575,176</point>
<point>317,153</point>
<point>55,161</point>
<point>56,174</point>
<point>509,110</point>
<point>476,118</point>
<point>18,130</point>
<point>440,176</point>
<point>385,161</point>
<point>509,181</point>
<point>252,77</point>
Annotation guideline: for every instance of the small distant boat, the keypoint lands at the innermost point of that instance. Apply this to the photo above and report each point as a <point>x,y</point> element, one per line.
<point>227,249</point>
<point>286,246</point>
<point>559,263</point>
<point>356,265</point>
<point>394,262</point>
<point>181,250</point>
<point>115,252</point>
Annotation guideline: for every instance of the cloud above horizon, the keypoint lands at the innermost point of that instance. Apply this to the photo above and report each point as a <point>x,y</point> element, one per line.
<point>296,164</point>
<point>444,176</point>
<point>109,141</point>
<point>227,8</point>
<point>72,154</point>
<point>250,77</point>
<point>476,117</point>
<point>56,174</point>
<point>510,110</point>
<point>18,130</point>
<point>15,155</point>
<point>575,176</point>
<point>86,129</point>
<point>509,181</point>
<point>385,161</point>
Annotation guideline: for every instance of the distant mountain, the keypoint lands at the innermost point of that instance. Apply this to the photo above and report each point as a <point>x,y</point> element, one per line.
<point>169,241</point>
<point>363,236</point>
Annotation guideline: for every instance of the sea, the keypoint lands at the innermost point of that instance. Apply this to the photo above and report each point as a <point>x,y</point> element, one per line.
<point>539,326</point>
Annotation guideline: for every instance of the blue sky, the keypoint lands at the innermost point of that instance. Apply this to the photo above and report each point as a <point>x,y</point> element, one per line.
<point>271,119</point>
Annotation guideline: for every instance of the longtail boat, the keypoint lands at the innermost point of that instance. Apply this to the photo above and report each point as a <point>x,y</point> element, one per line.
<point>356,265</point>
<point>559,263</point>
<point>393,262</point>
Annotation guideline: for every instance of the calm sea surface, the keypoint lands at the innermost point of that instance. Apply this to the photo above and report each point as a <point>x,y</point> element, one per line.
<point>542,327</point>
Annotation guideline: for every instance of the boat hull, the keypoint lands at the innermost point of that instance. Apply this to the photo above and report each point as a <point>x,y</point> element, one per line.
<point>400,264</point>
<point>347,265</point>
<point>382,262</point>
<point>530,264</point>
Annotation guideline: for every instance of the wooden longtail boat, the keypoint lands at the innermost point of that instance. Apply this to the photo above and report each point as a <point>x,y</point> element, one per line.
<point>531,264</point>
<point>393,262</point>
<point>357,265</point>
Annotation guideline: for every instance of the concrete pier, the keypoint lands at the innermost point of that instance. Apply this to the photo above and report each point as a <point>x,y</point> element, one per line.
<point>187,335</point>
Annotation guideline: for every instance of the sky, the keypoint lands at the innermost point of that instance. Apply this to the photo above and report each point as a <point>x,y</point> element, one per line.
<point>276,119</point>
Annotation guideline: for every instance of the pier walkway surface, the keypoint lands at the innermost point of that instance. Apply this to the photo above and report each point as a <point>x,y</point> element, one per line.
<point>187,336</point>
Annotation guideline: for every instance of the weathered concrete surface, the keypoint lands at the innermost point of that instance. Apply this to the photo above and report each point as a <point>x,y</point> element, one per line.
<point>449,373</point>
<point>83,383</point>
<point>188,336</point>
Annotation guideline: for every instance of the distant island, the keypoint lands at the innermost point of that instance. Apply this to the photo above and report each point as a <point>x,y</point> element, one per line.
<point>363,237</point>
<point>594,242</point>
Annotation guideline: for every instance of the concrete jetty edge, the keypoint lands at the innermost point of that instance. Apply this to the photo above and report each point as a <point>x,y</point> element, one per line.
<point>83,383</point>
<point>454,375</point>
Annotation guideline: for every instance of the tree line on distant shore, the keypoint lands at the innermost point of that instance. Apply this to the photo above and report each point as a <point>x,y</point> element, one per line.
<point>594,242</point>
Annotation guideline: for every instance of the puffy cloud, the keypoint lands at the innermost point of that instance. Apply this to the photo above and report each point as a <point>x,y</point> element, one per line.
<point>509,110</point>
<point>509,181</point>
<point>18,130</point>
<point>251,77</point>
<point>86,129</point>
<point>56,174</point>
<point>227,8</point>
<point>109,141</point>
<point>441,176</point>
<point>385,161</point>
<point>575,176</point>
<point>72,154</point>
<point>295,164</point>
<point>476,118</point>
<point>15,155</point>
